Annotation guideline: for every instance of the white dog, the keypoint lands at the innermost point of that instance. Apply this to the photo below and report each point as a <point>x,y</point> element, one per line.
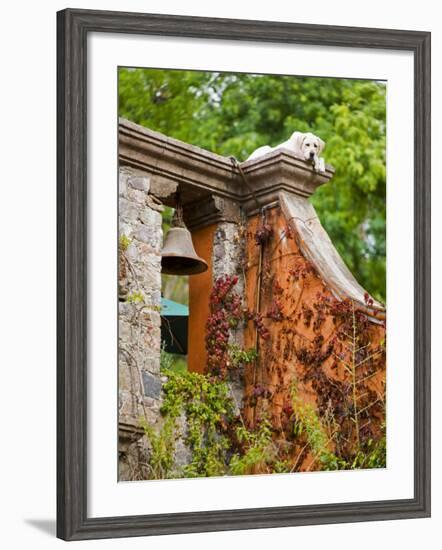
<point>307,146</point>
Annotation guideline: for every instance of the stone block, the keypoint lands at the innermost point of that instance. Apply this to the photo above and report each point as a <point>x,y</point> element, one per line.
<point>127,210</point>
<point>152,385</point>
<point>140,183</point>
<point>137,196</point>
<point>125,381</point>
<point>156,298</point>
<point>150,217</point>
<point>152,404</point>
<point>148,235</point>
<point>122,183</point>
<point>128,406</point>
<point>125,331</point>
<point>132,253</point>
<point>152,364</point>
<point>126,309</point>
<point>125,228</point>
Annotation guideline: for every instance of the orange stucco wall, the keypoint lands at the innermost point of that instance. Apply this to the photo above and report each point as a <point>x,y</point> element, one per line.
<point>200,287</point>
<point>300,334</point>
<point>304,346</point>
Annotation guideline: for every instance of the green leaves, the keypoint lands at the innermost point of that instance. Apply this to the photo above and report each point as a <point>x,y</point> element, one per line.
<point>206,405</point>
<point>260,452</point>
<point>308,423</point>
<point>239,356</point>
<point>135,297</point>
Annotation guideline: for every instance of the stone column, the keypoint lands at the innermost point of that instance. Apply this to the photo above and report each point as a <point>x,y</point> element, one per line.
<point>228,259</point>
<point>140,241</point>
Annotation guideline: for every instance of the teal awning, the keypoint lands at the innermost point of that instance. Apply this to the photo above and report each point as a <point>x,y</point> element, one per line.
<point>170,308</point>
<point>174,326</point>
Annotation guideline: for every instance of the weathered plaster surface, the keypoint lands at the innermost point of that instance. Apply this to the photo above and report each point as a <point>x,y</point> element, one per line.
<point>290,280</point>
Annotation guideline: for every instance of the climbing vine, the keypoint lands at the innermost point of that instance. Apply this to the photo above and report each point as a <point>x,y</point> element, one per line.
<point>225,315</point>
<point>335,354</point>
<point>327,412</point>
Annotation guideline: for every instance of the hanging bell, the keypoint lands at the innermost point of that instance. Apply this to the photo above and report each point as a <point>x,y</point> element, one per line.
<point>178,256</point>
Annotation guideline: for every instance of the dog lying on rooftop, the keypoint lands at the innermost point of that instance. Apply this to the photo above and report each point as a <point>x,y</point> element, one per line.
<point>304,145</point>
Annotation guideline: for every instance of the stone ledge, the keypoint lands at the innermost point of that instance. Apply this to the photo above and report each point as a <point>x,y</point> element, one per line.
<point>172,160</point>
<point>128,433</point>
<point>208,183</point>
<point>278,171</point>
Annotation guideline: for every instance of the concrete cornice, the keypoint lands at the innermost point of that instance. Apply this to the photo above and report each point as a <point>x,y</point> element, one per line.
<point>279,171</point>
<point>171,159</point>
<point>203,175</point>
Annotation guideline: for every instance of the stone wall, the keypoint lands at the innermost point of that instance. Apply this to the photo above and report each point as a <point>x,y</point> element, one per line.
<point>140,241</point>
<point>140,381</point>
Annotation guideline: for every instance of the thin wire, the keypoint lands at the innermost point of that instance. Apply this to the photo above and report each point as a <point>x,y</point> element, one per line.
<point>237,165</point>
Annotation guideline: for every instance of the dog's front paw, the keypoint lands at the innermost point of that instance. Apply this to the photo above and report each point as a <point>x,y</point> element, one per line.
<point>320,166</point>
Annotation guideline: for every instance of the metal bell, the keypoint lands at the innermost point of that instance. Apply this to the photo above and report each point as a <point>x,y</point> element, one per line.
<point>178,256</point>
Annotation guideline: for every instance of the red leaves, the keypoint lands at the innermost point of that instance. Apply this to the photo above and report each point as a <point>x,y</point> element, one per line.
<point>287,409</point>
<point>263,234</point>
<point>225,313</point>
<point>275,311</point>
<point>368,299</point>
<point>307,315</point>
<point>302,269</point>
<point>257,318</point>
<point>277,288</point>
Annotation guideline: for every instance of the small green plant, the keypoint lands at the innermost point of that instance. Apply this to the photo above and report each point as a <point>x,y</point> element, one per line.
<point>260,454</point>
<point>172,361</point>
<point>309,425</point>
<point>239,356</point>
<point>207,407</point>
<point>178,364</point>
<point>162,443</point>
<point>373,454</point>
<point>124,242</point>
<point>135,297</point>
<point>166,359</point>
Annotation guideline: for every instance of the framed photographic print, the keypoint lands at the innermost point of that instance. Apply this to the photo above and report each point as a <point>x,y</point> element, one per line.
<point>239,205</point>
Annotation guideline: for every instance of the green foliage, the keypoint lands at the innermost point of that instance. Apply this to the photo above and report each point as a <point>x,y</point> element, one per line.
<point>172,361</point>
<point>124,242</point>
<point>260,452</point>
<point>232,114</point>
<point>166,216</point>
<point>239,356</point>
<point>373,454</point>
<point>208,409</point>
<point>207,406</point>
<point>162,443</point>
<point>175,287</point>
<point>308,424</point>
<point>135,297</point>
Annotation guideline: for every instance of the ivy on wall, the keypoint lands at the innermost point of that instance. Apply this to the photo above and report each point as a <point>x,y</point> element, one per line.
<point>333,434</point>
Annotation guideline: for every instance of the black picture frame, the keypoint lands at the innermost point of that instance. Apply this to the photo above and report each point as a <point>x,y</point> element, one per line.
<point>73,27</point>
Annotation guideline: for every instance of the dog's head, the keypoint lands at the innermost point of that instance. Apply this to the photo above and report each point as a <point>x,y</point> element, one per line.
<point>309,146</point>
